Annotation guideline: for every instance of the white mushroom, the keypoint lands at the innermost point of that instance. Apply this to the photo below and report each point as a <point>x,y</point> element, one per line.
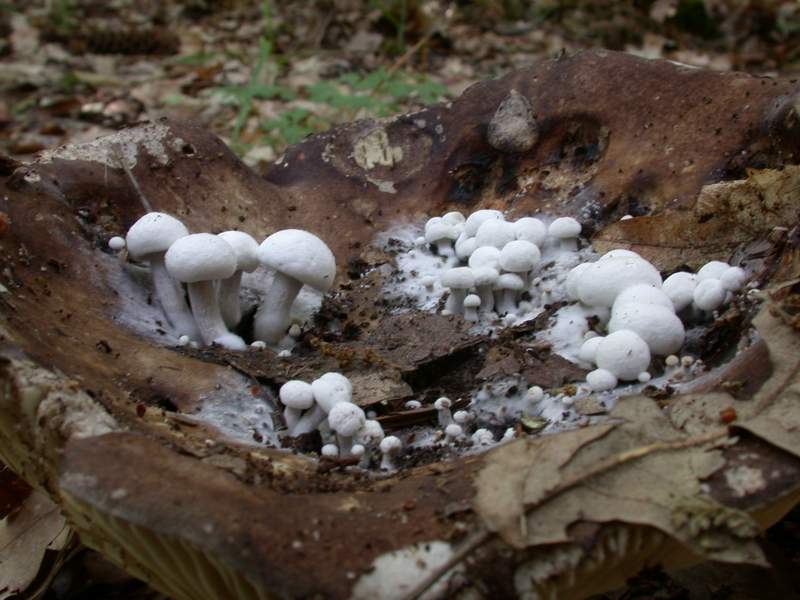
<point>733,279</point>
<point>620,253</point>
<point>390,448</point>
<point>601,282</point>
<point>520,257</point>
<point>482,437</point>
<point>642,293</point>
<point>471,305</point>
<point>534,394</point>
<point>462,417</point>
<point>601,380</point>
<point>566,230</point>
<point>495,233</point>
<point>329,389</point>
<point>296,396</point>
<point>441,236</point>
<point>297,257</point>
<point>116,243</point>
<point>507,286</point>
<point>712,270</point>
<point>709,294</point>
<point>330,451</point>
<point>442,406</point>
<point>459,280</point>
<point>246,250</point>
<point>465,246</point>
<point>658,326</point>
<point>588,351</point>
<point>679,287</point>
<point>454,218</point>
<point>476,219</point>
<point>485,278</point>
<point>346,419</point>
<point>623,353</point>
<point>357,450</point>
<point>199,260</point>
<point>148,240</point>
<point>370,434</point>
<point>573,280</point>
<point>531,230</point>
<point>452,432</point>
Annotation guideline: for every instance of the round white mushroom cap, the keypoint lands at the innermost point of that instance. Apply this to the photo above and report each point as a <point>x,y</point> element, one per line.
<point>588,351</point>
<point>472,301</point>
<point>346,418</point>
<point>709,294</point>
<point>658,326</point>
<point>509,281</point>
<point>440,231</point>
<point>733,279</point>
<point>245,247</point>
<point>485,275</point>
<point>602,281</point>
<point>620,253</point>
<point>465,246</point>
<point>116,243</point>
<point>300,255</point>
<point>482,437</point>
<point>432,222</point>
<point>460,278</point>
<point>200,257</point>
<point>601,380</point>
<point>564,228</point>
<point>534,393</point>
<point>391,444</point>
<point>331,389</point>
<point>573,279</point>
<point>154,232</point>
<point>370,433</point>
<point>641,293</point>
<point>297,394</point>
<point>679,287</point>
<point>330,451</point>
<point>712,270</point>
<point>531,230</point>
<point>495,233</point>
<point>454,218</point>
<point>453,430</point>
<point>623,353</point>
<point>442,403</point>
<point>519,256</point>
<point>476,219</point>
<point>461,417</point>
<point>485,256</point>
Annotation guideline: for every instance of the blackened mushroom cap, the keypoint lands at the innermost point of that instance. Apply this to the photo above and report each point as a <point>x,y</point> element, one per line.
<point>300,255</point>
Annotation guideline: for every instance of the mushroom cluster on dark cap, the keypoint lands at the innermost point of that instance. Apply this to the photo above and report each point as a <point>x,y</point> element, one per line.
<point>211,266</point>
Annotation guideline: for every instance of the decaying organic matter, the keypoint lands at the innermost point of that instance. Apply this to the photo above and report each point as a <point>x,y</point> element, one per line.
<point>99,412</point>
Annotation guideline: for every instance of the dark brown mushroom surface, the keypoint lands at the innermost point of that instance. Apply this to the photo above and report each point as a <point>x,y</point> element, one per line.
<point>99,411</point>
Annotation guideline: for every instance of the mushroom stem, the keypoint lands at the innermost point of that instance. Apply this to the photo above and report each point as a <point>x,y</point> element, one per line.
<point>345,444</point>
<point>309,421</point>
<point>487,298</point>
<point>291,417</point>
<point>229,303</point>
<point>444,247</point>
<point>455,303</point>
<point>170,296</point>
<point>273,317</point>
<point>205,309</point>
<point>507,302</point>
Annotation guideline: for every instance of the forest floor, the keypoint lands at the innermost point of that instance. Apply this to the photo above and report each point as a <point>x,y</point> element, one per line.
<point>264,75</point>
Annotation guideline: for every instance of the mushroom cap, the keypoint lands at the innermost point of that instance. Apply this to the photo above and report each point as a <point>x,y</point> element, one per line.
<point>391,444</point>
<point>116,243</point>
<point>509,281</point>
<point>330,450</point>
<point>482,437</point>
<point>442,403</point>
<point>679,287</point>
<point>623,353</point>
<point>485,256</point>
<point>461,417</point>
<point>154,232</point>
<point>465,246</point>
<point>519,256</point>
<point>300,255</point>
<point>495,233</point>
<point>357,450</point>
<point>712,270</point>
<point>588,351</point>
<point>346,418</point>
<point>658,326</point>
<point>297,394</point>
<point>642,293</point>
<point>620,253</point>
<point>331,389</point>
<point>200,257</point>
<point>602,281</point>
<point>472,301</point>
<point>485,275</point>
<point>564,228</point>
<point>440,231</point>
<point>453,430</point>
<point>370,432</point>
<point>460,278</point>
<point>733,279</point>
<point>476,219</point>
<point>601,380</point>
<point>454,218</point>
<point>431,222</point>
<point>531,230</point>
<point>245,248</point>
<point>573,279</point>
<point>709,294</point>
<point>534,393</point>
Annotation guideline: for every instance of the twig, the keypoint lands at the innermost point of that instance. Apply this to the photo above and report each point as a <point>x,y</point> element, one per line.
<point>600,467</point>
<point>142,198</point>
<point>411,51</point>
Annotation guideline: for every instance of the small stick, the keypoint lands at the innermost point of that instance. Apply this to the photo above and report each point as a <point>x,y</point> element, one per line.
<point>142,198</point>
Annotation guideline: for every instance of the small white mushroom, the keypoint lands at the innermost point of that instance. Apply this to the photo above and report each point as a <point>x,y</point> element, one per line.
<point>442,406</point>
<point>712,270</point>
<point>462,417</point>
<point>465,246</point>
<point>566,230</point>
<point>459,280</point>
<point>573,279</point>
<point>413,405</point>
<point>508,286</point>
<point>733,279</point>
<point>296,396</point>
<point>428,282</point>
<point>453,432</point>
<point>370,434</point>
<point>476,219</point>
<point>330,451</point>
<point>658,326</point>
<point>642,293</point>
<point>679,287</point>
<point>644,377</point>
<point>454,218</point>
<point>246,250</point>
<point>441,236</point>
<point>482,437</point>
<point>623,353</point>
<point>329,389</point>
<point>495,233</point>
<point>357,450</point>
<point>148,240</point>
<point>346,419</point>
<point>588,351</point>
<point>471,305</point>
<point>116,243</point>
<point>520,257</point>
<point>485,278</point>
<point>601,380</point>
<point>531,230</point>
<point>199,260</point>
<point>601,282</point>
<point>390,448</point>
<point>535,394</point>
<point>298,258</point>
<point>709,294</point>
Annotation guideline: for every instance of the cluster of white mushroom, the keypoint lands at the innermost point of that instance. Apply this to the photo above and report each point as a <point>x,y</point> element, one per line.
<point>327,404</point>
<point>455,426</point>
<point>642,313</point>
<point>501,255</point>
<point>211,266</point>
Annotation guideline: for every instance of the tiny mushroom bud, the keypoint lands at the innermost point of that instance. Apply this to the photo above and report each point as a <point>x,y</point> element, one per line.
<point>357,451</point>
<point>459,280</point>
<point>601,380</point>
<point>566,230</point>
<point>482,437</point>
<point>297,257</point>
<point>623,353</point>
<point>471,305</point>
<point>644,377</point>
<point>462,417</point>
<point>679,287</point>
<point>246,250</point>
<point>116,243</point>
<point>346,419</point>
<point>330,451</point>
<point>199,260</point>
<point>429,281</point>
<point>709,294</point>
<point>671,361</point>
<point>296,396</point>
<point>442,406</point>
<point>535,393</point>
<point>453,432</point>
<point>148,240</point>
<point>390,448</point>
<point>531,230</point>
<point>476,219</point>
<point>413,405</point>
